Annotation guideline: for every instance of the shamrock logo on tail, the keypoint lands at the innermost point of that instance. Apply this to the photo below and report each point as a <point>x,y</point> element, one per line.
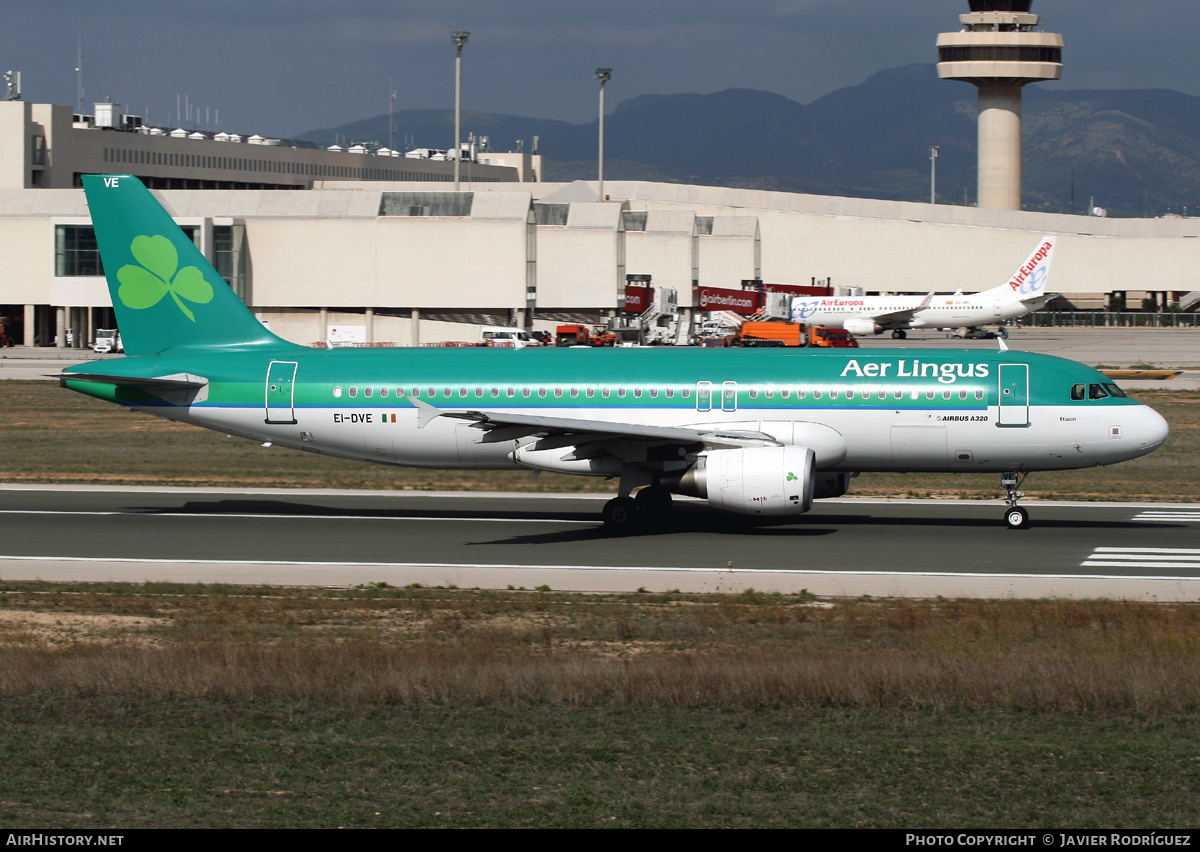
<point>144,286</point>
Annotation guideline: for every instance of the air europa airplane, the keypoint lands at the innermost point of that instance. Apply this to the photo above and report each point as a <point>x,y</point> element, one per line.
<point>759,432</point>
<point>1024,291</point>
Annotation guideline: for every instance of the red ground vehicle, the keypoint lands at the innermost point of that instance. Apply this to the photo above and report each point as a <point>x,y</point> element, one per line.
<point>582,335</point>
<point>837,338</point>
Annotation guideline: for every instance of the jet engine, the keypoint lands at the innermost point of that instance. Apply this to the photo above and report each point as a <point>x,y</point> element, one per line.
<point>768,481</point>
<point>862,325</point>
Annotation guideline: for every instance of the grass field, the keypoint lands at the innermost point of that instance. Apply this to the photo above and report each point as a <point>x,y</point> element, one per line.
<point>181,706</point>
<point>53,435</point>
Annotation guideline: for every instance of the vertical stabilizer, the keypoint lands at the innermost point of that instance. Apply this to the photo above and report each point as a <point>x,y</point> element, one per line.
<point>165,292</point>
<point>1028,283</point>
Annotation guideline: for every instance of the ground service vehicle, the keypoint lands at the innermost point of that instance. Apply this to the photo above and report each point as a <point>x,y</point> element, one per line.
<point>835,338</point>
<point>107,340</point>
<point>496,335</point>
<point>582,335</point>
<point>754,432</point>
<point>787,333</point>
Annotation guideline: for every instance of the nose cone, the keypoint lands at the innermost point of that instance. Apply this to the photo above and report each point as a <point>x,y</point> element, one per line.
<point>1152,429</point>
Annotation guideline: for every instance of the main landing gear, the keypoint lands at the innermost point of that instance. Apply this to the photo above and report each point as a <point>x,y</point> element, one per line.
<point>1015,516</point>
<point>899,334</point>
<point>623,514</point>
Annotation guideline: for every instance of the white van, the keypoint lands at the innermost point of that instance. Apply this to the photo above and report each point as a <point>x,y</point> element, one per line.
<point>107,340</point>
<point>498,335</point>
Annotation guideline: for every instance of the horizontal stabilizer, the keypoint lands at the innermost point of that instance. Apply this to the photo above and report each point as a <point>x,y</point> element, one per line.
<point>180,381</point>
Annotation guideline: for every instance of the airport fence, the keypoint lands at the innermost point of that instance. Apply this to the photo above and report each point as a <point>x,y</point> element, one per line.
<point>1110,319</point>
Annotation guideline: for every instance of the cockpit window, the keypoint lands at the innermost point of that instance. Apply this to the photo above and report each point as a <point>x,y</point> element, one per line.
<point>1097,391</point>
<point>1115,391</point>
<point>1078,391</point>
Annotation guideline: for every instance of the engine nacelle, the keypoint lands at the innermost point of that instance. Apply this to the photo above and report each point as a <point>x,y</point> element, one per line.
<point>767,481</point>
<point>862,325</point>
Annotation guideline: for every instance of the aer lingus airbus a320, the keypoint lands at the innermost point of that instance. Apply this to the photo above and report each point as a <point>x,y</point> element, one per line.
<point>754,431</point>
<point>1023,292</point>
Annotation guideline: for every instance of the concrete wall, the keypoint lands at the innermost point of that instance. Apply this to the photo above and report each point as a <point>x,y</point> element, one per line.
<point>332,249</point>
<point>911,247</point>
<point>665,250</point>
<point>581,264</point>
<point>730,254</point>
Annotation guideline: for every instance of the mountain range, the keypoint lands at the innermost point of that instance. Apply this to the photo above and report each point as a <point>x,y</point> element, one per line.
<point>1132,152</point>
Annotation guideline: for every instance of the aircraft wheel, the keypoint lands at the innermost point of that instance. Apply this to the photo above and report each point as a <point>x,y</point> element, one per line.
<point>654,503</point>
<point>620,514</point>
<point>899,334</point>
<point>1016,518</point>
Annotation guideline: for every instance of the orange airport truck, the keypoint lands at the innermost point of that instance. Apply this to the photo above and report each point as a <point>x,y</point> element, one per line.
<point>769,334</point>
<point>792,334</point>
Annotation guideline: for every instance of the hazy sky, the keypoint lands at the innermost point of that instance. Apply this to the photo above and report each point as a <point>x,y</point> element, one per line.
<point>281,68</point>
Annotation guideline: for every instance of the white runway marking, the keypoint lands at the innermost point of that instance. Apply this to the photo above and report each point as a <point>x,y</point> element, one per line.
<point>1169,515</point>
<point>1143,557</point>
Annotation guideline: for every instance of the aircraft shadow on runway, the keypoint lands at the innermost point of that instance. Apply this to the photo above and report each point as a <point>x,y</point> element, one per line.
<point>699,519</point>
<point>280,508</point>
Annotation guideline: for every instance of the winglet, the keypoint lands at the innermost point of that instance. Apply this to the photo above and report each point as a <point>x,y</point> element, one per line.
<point>425,412</point>
<point>1003,345</point>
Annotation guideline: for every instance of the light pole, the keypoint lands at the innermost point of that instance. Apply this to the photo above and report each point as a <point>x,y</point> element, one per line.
<point>933,155</point>
<point>459,39</point>
<point>603,75</point>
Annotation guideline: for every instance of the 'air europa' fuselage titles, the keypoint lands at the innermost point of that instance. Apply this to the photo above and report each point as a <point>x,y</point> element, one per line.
<point>754,432</point>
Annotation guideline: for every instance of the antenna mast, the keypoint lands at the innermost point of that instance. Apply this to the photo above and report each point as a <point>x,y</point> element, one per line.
<point>79,71</point>
<point>391,105</point>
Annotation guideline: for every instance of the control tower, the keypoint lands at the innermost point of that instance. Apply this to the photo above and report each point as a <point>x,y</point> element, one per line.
<point>998,51</point>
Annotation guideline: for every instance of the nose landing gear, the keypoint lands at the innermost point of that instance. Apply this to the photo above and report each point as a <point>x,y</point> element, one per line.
<point>1015,516</point>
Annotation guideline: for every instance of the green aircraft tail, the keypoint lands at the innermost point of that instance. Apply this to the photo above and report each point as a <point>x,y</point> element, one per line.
<point>165,292</point>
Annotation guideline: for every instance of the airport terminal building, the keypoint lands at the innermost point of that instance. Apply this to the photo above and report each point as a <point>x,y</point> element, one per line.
<point>316,239</point>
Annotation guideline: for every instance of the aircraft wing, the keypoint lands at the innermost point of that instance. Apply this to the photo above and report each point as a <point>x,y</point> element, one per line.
<point>900,318</point>
<point>506,426</point>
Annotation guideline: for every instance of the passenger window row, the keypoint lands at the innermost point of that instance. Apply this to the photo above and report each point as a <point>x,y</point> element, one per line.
<point>558,392</point>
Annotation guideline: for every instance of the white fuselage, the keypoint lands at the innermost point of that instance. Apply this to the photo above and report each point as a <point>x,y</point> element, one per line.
<point>959,438</point>
<point>957,311</point>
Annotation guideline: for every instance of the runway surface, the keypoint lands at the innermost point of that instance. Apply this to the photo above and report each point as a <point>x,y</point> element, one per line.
<point>854,547</point>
